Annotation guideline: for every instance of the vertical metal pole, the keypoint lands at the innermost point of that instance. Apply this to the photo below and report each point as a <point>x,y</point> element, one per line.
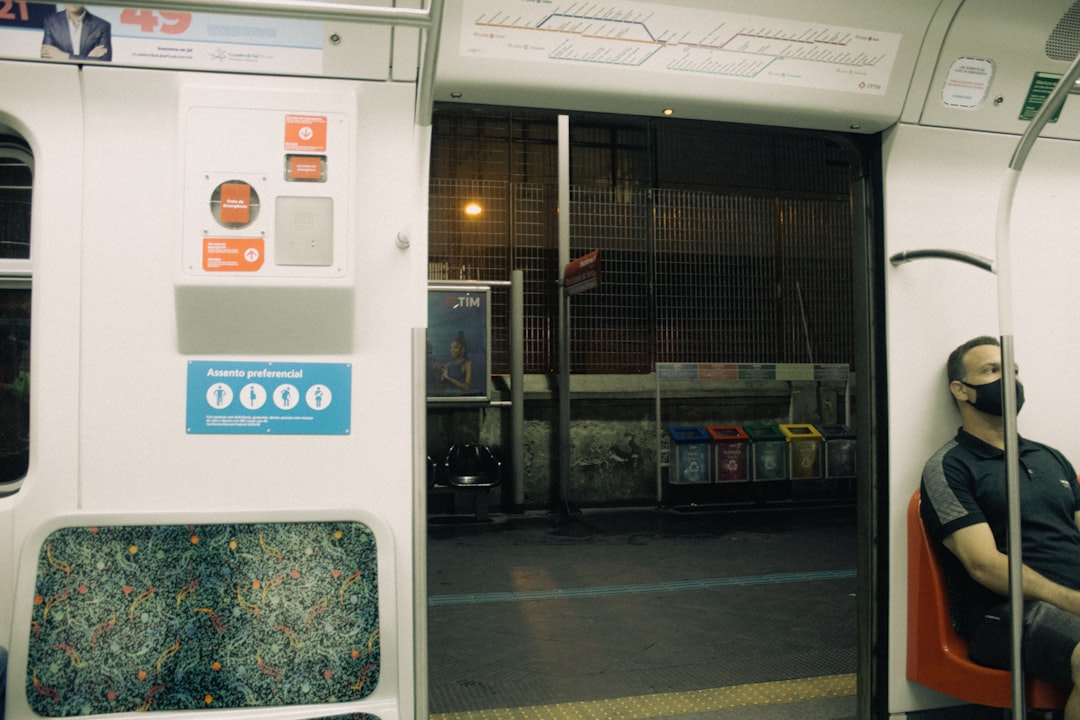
<point>1012,483</point>
<point>517,387</point>
<point>1003,259</point>
<point>1012,454</point>
<point>564,312</point>
<point>659,419</point>
<point>419,522</point>
<point>650,246</point>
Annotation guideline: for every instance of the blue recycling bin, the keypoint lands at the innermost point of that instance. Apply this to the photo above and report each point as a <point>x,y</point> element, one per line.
<point>689,455</point>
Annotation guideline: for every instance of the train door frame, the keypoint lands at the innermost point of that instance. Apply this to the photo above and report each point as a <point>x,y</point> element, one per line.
<point>872,458</point>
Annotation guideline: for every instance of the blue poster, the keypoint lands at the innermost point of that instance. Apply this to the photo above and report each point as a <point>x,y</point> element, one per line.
<point>268,398</point>
<point>458,355</point>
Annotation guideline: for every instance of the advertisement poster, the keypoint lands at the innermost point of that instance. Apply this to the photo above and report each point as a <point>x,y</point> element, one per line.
<point>458,344</point>
<point>160,38</point>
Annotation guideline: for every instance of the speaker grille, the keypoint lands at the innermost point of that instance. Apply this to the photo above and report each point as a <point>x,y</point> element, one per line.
<point>1064,42</point>
<point>304,221</point>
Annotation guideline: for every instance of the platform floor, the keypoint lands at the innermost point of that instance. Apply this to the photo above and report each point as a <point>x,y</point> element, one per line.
<point>647,613</point>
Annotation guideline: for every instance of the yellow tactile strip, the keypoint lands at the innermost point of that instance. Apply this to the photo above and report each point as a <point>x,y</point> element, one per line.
<point>641,707</point>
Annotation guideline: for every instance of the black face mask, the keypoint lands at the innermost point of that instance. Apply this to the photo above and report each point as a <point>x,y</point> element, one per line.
<point>989,396</point>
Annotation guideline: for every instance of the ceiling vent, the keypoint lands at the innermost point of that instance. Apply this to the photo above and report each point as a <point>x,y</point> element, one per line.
<point>1064,42</point>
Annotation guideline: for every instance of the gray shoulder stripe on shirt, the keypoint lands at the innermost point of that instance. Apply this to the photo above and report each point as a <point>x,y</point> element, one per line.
<point>942,498</point>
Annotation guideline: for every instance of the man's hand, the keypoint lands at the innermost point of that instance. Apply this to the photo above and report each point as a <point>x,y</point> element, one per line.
<point>51,52</point>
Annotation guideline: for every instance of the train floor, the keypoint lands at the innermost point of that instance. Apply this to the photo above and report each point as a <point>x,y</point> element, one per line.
<point>645,613</point>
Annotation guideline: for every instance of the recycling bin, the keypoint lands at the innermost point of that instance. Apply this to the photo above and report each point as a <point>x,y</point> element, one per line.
<point>689,455</point>
<point>730,453</point>
<point>804,450</point>
<point>767,452</point>
<point>839,448</point>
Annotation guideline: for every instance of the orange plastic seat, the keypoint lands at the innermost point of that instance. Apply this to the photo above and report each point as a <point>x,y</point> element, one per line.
<point>937,656</point>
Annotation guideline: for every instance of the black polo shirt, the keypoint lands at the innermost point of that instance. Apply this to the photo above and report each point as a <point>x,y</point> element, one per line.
<point>964,484</point>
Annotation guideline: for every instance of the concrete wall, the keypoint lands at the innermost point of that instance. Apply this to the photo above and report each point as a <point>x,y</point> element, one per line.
<point>614,429</point>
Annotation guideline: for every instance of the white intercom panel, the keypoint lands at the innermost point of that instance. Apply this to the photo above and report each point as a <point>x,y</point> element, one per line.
<point>304,231</point>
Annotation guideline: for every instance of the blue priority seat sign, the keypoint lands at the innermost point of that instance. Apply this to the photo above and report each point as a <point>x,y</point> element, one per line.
<point>268,398</point>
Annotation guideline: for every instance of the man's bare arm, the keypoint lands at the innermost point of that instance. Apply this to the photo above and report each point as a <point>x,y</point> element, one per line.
<point>975,547</point>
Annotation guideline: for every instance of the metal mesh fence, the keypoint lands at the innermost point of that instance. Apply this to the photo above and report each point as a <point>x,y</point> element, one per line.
<point>816,281</point>
<point>535,253</point>
<point>747,258</point>
<point>686,276</point>
<point>611,328</point>
<point>474,247</point>
<point>715,278</point>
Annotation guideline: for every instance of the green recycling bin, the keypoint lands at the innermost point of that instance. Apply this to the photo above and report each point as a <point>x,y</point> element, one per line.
<point>768,451</point>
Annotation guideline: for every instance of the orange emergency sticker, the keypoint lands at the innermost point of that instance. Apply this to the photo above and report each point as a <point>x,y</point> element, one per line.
<point>305,167</point>
<point>305,132</point>
<point>236,203</point>
<point>233,254</point>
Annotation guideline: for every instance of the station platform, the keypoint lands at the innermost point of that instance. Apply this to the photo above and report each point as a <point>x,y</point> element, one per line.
<point>644,613</point>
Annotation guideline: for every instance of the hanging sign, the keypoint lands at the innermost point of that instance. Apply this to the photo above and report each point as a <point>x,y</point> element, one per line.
<point>582,274</point>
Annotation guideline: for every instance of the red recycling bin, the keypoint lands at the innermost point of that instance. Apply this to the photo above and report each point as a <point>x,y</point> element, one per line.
<point>730,453</point>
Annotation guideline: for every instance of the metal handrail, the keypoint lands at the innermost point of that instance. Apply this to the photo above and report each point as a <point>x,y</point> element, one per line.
<point>306,10</point>
<point>978,261</point>
<point>425,96</point>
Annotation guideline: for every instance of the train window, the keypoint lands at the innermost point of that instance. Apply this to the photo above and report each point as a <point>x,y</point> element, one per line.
<point>16,185</point>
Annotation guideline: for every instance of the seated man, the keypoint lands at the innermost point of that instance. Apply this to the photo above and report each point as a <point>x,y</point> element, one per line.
<point>964,507</point>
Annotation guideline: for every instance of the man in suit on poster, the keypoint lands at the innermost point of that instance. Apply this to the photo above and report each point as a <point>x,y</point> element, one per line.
<point>75,34</point>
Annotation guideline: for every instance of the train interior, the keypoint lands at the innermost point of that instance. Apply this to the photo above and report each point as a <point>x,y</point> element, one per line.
<point>215,268</point>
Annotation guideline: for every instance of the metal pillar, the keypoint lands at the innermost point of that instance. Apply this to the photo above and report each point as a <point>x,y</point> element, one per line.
<point>517,387</point>
<point>564,313</point>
